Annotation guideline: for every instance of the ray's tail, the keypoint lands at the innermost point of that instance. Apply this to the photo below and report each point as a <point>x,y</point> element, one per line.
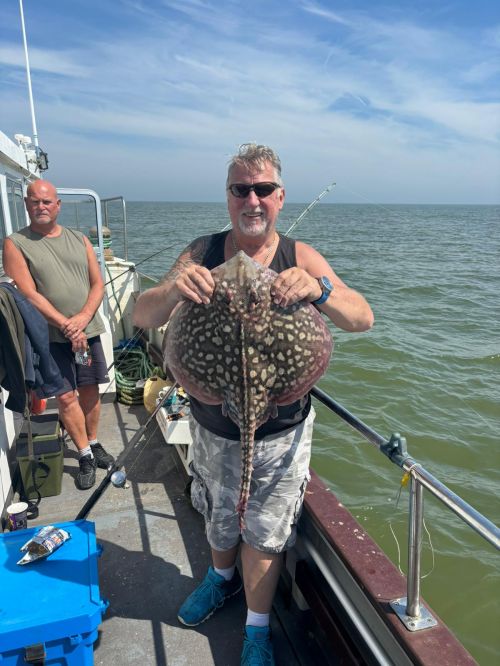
<point>247,448</point>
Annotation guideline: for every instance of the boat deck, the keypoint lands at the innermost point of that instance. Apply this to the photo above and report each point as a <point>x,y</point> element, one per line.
<point>154,553</point>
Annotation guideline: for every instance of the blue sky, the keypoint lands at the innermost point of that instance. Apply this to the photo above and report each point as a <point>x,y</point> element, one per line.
<point>394,101</point>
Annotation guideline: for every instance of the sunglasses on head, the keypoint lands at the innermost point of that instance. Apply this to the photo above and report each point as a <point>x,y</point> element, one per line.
<point>262,190</point>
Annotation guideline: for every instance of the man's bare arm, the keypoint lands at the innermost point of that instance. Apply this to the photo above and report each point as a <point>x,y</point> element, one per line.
<point>187,279</point>
<point>78,322</point>
<point>345,307</point>
<point>15,267</point>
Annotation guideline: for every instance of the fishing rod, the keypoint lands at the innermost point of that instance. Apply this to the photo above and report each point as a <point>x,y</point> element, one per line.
<point>114,476</point>
<point>132,268</point>
<point>123,351</point>
<point>310,207</point>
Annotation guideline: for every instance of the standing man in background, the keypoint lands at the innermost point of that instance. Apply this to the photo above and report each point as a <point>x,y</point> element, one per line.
<point>57,270</point>
<point>255,196</point>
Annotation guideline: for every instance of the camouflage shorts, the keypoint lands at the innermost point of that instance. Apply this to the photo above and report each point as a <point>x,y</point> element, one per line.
<point>279,479</point>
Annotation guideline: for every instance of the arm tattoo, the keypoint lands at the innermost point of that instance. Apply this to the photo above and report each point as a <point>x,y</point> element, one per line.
<point>193,254</point>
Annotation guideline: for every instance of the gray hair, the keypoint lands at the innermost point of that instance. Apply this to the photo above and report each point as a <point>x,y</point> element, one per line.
<point>254,157</point>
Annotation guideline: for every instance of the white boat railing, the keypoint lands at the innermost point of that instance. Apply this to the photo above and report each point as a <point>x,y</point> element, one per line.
<point>122,220</point>
<point>409,609</point>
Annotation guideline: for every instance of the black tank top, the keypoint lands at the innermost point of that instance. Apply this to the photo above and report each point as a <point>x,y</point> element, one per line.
<point>210,416</point>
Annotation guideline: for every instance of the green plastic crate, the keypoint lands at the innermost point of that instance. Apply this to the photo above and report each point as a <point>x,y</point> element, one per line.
<point>49,457</point>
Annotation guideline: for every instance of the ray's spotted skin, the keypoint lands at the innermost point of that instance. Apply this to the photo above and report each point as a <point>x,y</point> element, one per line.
<point>245,352</point>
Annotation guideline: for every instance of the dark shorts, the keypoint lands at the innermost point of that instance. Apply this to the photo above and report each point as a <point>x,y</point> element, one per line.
<point>75,375</point>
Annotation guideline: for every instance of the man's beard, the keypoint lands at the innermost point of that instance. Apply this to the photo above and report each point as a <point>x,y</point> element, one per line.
<point>255,228</point>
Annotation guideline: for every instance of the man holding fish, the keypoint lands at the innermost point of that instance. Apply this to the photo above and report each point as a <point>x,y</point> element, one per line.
<point>246,344</point>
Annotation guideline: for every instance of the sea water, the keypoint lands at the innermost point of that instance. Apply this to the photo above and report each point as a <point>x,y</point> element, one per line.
<point>429,370</point>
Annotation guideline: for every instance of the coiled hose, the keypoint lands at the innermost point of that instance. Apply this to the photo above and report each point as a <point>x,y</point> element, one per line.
<point>132,368</point>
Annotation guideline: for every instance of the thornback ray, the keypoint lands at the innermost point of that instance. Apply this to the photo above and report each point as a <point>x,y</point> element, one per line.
<point>245,352</point>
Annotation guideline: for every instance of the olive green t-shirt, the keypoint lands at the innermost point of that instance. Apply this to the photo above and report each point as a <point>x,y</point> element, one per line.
<point>60,270</point>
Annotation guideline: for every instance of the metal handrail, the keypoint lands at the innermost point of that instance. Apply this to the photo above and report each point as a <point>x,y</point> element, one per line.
<point>395,449</point>
<point>391,448</point>
<point>124,217</point>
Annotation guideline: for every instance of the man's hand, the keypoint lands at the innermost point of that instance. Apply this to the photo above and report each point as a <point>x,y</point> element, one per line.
<point>75,325</point>
<point>186,280</point>
<point>79,342</point>
<point>196,284</point>
<point>294,285</point>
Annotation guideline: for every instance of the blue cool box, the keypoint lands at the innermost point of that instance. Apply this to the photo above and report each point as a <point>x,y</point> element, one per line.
<point>52,604</point>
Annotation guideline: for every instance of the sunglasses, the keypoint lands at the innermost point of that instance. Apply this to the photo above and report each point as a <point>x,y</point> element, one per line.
<point>262,190</point>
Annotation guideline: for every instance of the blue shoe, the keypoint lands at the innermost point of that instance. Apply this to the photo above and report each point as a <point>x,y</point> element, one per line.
<point>208,597</point>
<point>257,647</point>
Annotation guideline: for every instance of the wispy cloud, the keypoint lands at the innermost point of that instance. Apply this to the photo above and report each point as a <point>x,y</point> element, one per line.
<point>44,60</point>
<point>333,91</point>
<point>322,12</point>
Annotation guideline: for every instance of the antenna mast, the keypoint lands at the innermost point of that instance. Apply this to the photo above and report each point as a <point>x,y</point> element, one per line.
<point>28,75</point>
<point>42,161</point>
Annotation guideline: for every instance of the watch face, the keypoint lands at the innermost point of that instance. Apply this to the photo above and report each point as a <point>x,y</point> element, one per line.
<point>326,283</point>
<point>326,290</point>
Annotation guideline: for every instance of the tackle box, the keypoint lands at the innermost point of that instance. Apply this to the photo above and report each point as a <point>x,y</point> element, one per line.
<point>49,456</point>
<point>50,608</point>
